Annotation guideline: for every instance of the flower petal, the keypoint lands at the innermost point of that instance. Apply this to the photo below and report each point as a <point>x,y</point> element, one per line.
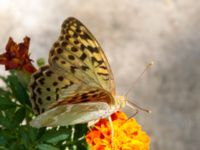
<point>127,134</point>
<point>17,57</point>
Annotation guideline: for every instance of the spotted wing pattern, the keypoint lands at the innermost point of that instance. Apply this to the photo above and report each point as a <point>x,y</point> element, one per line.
<point>78,71</point>
<point>77,52</point>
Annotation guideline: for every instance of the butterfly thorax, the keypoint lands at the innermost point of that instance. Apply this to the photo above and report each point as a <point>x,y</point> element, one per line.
<point>120,102</point>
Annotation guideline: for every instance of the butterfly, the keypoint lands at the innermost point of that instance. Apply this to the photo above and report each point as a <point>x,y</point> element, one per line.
<point>77,86</point>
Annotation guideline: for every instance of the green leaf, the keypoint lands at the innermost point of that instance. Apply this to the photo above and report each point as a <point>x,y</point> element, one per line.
<point>40,62</point>
<point>19,116</point>
<point>4,93</point>
<point>18,90</point>
<point>5,122</point>
<point>41,131</point>
<point>82,146</point>
<point>33,133</point>
<point>72,147</point>
<point>6,103</point>
<point>7,134</point>
<point>23,135</point>
<point>16,146</point>
<point>55,136</point>
<point>80,130</point>
<point>46,147</point>
<point>2,140</point>
<point>23,77</point>
<point>3,148</point>
<point>27,137</point>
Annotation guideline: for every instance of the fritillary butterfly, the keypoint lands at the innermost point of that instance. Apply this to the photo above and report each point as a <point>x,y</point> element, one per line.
<point>77,85</point>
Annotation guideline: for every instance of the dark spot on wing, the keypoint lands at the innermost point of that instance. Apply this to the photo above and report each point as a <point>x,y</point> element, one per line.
<point>55,83</point>
<point>103,67</point>
<point>37,75</point>
<point>76,42</point>
<point>43,68</point>
<point>63,62</point>
<point>55,58</point>
<point>73,69</point>
<point>103,74</point>
<point>49,73</point>
<point>82,47</point>
<point>59,50</point>
<point>84,96</point>
<point>41,81</point>
<point>57,96</point>
<point>93,49</point>
<point>84,68</point>
<point>83,56</point>
<point>42,110</point>
<point>56,44</point>
<point>85,36</point>
<point>73,49</point>
<point>48,98</point>
<point>33,85</point>
<point>60,78</point>
<point>39,91</point>
<point>71,57</point>
<point>40,100</point>
<point>37,108</point>
<point>95,95</point>
<point>64,44</point>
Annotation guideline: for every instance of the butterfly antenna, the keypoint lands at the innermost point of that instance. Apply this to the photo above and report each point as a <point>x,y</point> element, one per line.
<point>135,106</point>
<point>131,104</point>
<point>139,77</point>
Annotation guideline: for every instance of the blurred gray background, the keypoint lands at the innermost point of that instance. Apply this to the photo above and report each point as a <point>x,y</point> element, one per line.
<point>132,33</point>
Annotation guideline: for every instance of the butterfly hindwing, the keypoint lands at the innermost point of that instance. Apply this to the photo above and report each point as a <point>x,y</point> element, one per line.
<point>47,85</point>
<point>50,88</point>
<point>72,114</point>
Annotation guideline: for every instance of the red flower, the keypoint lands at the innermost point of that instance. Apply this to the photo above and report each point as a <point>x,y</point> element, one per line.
<point>17,57</point>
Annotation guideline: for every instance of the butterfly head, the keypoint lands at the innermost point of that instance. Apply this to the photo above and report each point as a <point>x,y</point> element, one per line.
<point>120,101</point>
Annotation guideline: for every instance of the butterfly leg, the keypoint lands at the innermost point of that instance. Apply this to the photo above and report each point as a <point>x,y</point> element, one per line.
<point>129,118</point>
<point>137,111</point>
<point>112,132</point>
<point>91,124</point>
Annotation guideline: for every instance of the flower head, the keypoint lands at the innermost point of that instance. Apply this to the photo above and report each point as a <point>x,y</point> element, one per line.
<point>17,57</point>
<point>128,134</point>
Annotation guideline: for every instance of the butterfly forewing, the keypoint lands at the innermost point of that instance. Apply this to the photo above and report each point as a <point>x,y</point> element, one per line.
<point>83,54</point>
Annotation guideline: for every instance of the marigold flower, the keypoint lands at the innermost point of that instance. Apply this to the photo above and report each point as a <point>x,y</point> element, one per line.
<point>17,57</point>
<point>128,134</point>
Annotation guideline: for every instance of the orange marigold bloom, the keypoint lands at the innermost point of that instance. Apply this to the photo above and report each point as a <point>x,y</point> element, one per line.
<point>17,57</point>
<point>128,134</point>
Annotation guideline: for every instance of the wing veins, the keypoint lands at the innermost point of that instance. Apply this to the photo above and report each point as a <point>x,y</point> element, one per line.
<point>91,69</point>
<point>86,31</point>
